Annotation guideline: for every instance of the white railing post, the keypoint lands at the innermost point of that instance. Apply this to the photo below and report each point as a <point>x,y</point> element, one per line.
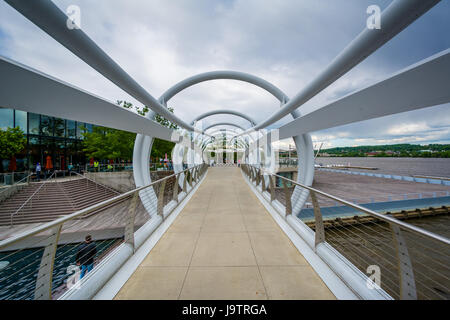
<point>288,203</point>
<point>175,188</point>
<point>160,208</point>
<point>129,227</point>
<point>319,228</point>
<point>406,274</point>
<point>43,289</point>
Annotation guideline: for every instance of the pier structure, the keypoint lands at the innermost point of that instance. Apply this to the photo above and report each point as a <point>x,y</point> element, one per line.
<point>223,232</point>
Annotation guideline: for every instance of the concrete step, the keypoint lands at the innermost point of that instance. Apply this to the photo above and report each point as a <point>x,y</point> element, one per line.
<point>53,200</point>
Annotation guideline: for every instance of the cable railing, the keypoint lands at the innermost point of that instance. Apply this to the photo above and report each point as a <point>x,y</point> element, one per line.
<point>412,263</point>
<point>41,263</point>
<point>30,198</point>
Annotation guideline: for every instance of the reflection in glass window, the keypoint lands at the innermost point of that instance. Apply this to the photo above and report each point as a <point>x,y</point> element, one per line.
<point>34,151</point>
<point>71,129</point>
<point>80,129</point>
<point>89,127</point>
<point>21,120</point>
<point>33,123</point>
<point>46,125</point>
<point>60,127</point>
<point>6,118</point>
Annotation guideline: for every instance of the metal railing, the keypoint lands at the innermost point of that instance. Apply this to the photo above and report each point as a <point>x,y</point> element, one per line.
<point>11,178</point>
<point>95,182</point>
<point>414,263</point>
<point>119,167</point>
<point>387,198</point>
<point>40,262</point>
<point>30,199</point>
<point>8,191</point>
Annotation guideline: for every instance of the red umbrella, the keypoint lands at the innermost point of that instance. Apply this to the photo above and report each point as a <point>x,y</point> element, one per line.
<point>49,164</point>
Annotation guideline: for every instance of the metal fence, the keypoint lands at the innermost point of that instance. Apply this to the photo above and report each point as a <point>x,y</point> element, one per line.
<point>9,190</point>
<point>119,167</point>
<point>41,263</point>
<point>413,263</point>
<point>8,179</point>
<point>422,179</point>
<point>325,202</point>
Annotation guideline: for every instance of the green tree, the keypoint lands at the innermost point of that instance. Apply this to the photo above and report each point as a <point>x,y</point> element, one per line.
<point>12,141</point>
<point>108,143</point>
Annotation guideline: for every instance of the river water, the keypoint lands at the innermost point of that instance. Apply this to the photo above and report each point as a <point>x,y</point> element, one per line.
<point>400,166</point>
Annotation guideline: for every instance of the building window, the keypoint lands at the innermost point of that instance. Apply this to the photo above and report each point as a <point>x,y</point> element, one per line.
<point>89,127</point>
<point>20,120</point>
<point>6,118</point>
<point>81,127</point>
<point>60,127</point>
<point>71,129</point>
<point>33,123</point>
<point>46,125</point>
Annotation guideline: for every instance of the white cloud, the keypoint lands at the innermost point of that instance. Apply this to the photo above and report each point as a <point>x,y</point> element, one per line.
<point>286,42</point>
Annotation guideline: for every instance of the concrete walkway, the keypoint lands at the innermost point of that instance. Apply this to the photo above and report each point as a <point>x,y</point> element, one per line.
<point>224,245</point>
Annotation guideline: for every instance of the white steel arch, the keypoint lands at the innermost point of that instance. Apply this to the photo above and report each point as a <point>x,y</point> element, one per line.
<point>303,142</point>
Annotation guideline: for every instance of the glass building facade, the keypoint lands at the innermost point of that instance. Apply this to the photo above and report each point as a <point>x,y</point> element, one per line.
<point>46,136</point>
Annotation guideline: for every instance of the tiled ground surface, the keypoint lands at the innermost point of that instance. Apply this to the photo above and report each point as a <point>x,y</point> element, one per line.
<point>224,245</point>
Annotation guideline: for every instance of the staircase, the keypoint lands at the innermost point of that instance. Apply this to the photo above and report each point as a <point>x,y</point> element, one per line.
<point>54,199</point>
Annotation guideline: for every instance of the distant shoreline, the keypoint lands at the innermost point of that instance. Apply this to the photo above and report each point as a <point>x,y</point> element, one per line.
<point>384,156</point>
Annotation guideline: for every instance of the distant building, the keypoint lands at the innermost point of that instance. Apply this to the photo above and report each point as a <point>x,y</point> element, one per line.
<point>46,136</point>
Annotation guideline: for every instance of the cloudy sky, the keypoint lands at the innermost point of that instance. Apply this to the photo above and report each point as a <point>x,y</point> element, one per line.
<point>286,42</point>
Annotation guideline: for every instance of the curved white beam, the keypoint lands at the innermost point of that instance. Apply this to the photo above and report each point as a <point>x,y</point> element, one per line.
<point>303,142</point>
<point>223,124</point>
<point>26,89</point>
<point>223,111</point>
<point>47,16</point>
<point>396,17</point>
<point>219,75</point>
<point>424,84</point>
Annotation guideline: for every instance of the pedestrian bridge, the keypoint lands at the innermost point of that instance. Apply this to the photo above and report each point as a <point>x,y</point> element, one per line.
<point>225,232</point>
<point>224,244</point>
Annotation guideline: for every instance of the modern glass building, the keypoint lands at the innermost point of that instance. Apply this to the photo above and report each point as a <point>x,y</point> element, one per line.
<point>46,136</point>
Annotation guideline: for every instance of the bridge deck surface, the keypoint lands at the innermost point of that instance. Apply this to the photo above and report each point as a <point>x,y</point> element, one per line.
<point>224,245</point>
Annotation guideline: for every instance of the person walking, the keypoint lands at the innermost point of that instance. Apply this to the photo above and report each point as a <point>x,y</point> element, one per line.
<point>96,166</point>
<point>38,171</point>
<point>70,167</point>
<point>85,255</point>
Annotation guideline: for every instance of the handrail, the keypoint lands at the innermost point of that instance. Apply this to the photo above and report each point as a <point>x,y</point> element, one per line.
<point>406,196</point>
<point>29,199</point>
<point>59,221</point>
<point>385,218</point>
<point>111,189</point>
<point>16,183</point>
